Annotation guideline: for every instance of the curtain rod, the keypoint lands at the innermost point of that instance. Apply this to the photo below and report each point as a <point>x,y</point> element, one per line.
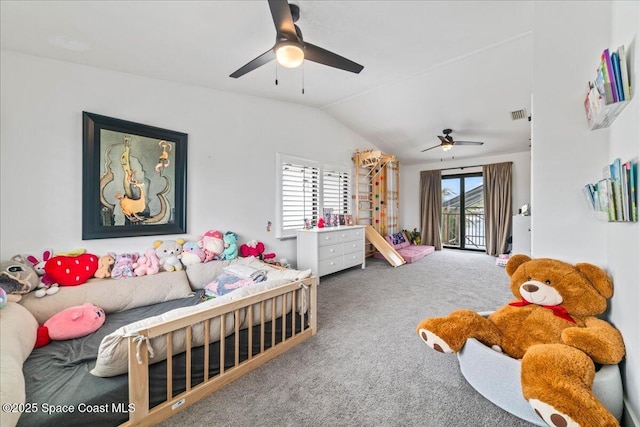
<point>474,166</point>
<point>462,167</point>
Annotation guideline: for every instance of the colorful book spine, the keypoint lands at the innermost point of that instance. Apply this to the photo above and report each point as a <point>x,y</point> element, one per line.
<point>633,177</point>
<point>609,76</point>
<point>615,62</point>
<point>624,73</point>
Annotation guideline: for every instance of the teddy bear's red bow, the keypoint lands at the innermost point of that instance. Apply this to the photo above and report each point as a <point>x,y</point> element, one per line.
<point>557,309</point>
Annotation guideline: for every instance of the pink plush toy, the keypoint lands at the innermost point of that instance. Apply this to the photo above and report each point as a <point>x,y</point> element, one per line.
<point>74,322</point>
<point>192,254</point>
<point>212,244</point>
<point>123,267</point>
<point>148,263</point>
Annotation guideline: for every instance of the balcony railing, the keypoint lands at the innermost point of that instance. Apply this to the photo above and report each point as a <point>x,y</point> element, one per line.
<point>473,230</point>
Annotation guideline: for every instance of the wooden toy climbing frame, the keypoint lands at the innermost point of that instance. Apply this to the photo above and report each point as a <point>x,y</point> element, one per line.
<point>377,192</point>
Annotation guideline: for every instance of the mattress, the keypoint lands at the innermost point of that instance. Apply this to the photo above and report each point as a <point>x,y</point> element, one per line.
<point>61,390</point>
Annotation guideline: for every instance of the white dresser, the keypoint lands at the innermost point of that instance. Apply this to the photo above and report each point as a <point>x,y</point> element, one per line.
<point>330,249</point>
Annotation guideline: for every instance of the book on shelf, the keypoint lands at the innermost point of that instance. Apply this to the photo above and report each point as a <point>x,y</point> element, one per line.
<point>609,76</point>
<point>615,62</point>
<point>615,196</point>
<point>624,73</point>
<point>633,190</point>
<point>616,186</point>
<point>589,196</point>
<point>609,92</point>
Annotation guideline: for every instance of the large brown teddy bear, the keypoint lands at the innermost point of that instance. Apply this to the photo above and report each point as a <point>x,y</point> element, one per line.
<point>553,329</point>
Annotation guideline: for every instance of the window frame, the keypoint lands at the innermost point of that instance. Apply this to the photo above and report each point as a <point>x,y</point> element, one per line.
<point>281,160</point>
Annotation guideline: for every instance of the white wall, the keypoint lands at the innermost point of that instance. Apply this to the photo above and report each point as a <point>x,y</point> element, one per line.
<point>568,40</point>
<point>231,152</point>
<point>410,182</point>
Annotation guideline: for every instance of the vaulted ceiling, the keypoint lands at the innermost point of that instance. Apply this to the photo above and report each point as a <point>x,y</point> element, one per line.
<point>428,65</point>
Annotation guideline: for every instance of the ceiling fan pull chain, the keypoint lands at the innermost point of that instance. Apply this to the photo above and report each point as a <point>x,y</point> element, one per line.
<point>303,77</point>
<point>276,73</point>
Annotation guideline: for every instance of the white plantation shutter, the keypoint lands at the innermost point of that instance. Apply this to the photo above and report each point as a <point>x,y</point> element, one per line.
<point>336,191</point>
<point>300,194</point>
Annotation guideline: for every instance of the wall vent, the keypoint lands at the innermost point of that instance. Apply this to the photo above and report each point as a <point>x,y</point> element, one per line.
<point>519,114</point>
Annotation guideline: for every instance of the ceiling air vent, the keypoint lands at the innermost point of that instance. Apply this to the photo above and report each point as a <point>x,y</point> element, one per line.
<point>519,114</point>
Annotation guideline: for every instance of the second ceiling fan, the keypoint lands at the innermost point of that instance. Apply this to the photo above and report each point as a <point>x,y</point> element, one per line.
<point>447,142</point>
<point>290,49</point>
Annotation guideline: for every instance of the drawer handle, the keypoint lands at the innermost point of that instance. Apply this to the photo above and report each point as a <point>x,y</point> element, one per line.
<point>331,263</point>
<point>331,250</point>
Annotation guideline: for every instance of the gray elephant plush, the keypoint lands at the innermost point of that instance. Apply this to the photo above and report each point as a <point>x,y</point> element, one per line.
<point>17,277</point>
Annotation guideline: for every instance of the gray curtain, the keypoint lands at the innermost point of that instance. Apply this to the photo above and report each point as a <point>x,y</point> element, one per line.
<point>431,208</point>
<point>497,206</point>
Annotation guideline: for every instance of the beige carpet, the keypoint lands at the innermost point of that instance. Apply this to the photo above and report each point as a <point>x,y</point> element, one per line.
<point>366,366</point>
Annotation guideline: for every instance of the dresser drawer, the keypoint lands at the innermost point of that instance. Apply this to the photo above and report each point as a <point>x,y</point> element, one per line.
<point>353,246</point>
<point>329,266</point>
<point>332,251</point>
<point>354,258</point>
<point>352,235</point>
<point>329,238</point>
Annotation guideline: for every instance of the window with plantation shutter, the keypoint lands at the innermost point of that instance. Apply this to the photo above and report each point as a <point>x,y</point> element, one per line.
<point>299,188</point>
<point>304,188</point>
<point>336,191</point>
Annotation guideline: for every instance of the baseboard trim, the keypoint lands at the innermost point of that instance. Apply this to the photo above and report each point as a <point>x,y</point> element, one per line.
<point>629,419</point>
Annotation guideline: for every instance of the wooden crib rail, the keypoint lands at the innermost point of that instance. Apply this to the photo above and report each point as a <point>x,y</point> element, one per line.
<point>279,298</point>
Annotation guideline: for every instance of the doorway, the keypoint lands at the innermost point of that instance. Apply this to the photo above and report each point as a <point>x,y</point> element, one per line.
<point>462,224</point>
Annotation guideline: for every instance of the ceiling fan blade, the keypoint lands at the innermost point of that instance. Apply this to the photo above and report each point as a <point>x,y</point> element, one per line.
<point>430,148</point>
<point>269,55</point>
<point>443,139</point>
<point>323,56</point>
<point>468,143</point>
<point>282,18</point>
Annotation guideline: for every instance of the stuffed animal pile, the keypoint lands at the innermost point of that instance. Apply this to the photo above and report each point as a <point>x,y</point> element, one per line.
<point>45,274</point>
<point>553,328</point>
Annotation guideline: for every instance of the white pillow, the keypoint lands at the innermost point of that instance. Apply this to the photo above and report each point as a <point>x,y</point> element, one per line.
<point>112,295</point>
<point>17,337</point>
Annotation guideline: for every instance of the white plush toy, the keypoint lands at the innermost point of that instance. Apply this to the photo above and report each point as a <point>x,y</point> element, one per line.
<point>169,252</point>
<point>47,285</point>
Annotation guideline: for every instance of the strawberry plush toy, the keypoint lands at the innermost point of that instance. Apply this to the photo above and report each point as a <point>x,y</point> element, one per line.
<point>71,270</point>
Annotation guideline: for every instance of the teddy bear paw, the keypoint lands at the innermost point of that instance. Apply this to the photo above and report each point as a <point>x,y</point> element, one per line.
<point>434,341</point>
<point>551,416</point>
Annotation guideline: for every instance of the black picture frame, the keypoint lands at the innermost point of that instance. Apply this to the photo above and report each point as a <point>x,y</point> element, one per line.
<point>127,166</point>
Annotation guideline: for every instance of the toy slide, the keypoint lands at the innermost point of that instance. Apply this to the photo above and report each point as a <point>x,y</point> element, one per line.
<point>388,251</point>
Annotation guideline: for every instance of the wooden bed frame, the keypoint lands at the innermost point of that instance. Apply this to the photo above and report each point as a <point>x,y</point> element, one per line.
<point>141,414</point>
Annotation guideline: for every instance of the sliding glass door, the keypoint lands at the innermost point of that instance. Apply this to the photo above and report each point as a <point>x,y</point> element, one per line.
<point>463,212</point>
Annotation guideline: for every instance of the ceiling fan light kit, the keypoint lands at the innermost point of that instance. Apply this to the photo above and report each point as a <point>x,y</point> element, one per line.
<point>289,54</point>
